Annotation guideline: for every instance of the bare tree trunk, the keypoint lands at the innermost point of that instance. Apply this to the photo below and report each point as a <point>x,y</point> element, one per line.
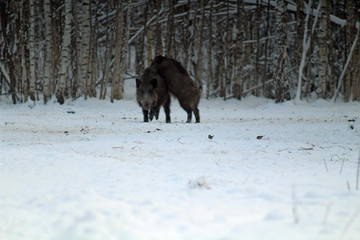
<point>108,55</point>
<point>48,59</point>
<point>65,54</point>
<point>170,30</point>
<point>350,33</point>
<point>187,30</point>
<point>300,27</point>
<point>126,57</point>
<point>24,59</point>
<point>199,64</point>
<point>24,13</point>
<point>150,41</point>
<point>84,48</point>
<point>323,49</point>
<point>227,67</point>
<point>91,70</point>
<point>32,77</point>
<point>239,52</point>
<point>356,62</point>
<point>356,81</point>
<point>257,80</point>
<point>281,82</point>
<point>158,34</point>
<point>117,80</point>
<point>209,73</point>
<point>306,45</point>
<point>220,64</point>
<point>140,64</point>
<point>56,44</point>
<point>265,75</point>
<point>8,54</point>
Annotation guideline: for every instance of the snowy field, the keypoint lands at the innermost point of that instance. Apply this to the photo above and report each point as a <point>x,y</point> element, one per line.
<point>250,170</point>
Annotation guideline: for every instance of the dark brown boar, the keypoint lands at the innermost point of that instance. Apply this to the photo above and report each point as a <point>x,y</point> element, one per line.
<point>179,84</point>
<point>151,94</point>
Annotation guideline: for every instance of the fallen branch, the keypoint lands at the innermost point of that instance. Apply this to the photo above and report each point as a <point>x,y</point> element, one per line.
<point>306,149</point>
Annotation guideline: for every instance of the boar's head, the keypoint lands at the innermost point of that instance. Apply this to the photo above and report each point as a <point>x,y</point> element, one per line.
<point>146,90</point>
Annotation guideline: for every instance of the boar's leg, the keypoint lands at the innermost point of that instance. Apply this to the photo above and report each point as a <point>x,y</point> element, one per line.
<point>156,111</point>
<point>146,115</point>
<point>188,110</point>
<point>197,115</point>
<point>152,113</point>
<point>189,115</point>
<point>167,111</point>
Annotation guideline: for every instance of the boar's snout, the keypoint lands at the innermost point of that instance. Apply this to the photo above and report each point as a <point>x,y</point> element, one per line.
<point>148,101</point>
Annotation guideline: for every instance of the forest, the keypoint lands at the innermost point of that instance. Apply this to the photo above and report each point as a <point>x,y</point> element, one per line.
<point>282,50</point>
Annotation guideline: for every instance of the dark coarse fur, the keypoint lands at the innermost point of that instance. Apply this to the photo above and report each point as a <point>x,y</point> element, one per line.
<point>151,94</point>
<point>179,84</point>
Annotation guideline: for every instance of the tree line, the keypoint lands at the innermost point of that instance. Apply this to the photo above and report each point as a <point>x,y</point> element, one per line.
<point>65,49</point>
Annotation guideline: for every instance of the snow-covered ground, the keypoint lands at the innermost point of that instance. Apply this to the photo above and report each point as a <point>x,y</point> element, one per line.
<point>250,170</point>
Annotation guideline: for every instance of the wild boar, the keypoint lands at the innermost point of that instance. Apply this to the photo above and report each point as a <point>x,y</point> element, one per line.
<point>180,84</point>
<point>151,94</point>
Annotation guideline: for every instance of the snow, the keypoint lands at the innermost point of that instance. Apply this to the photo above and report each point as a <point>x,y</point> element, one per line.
<point>251,169</point>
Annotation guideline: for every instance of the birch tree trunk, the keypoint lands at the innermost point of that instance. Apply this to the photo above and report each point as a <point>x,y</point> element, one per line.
<point>265,74</point>
<point>32,58</point>
<point>91,69</point>
<point>350,33</point>
<point>150,41</point>
<point>220,64</point>
<point>5,47</point>
<point>257,80</point>
<point>158,34</point>
<point>170,30</point>
<point>140,64</point>
<point>281,82</point>
<point>239,50</point>
<point>209,72</point>
<point>199,64</point>
<point>306,45</point>
<point>356,80</point>
<point>228,52</point>
<point>84,48</point>
<point>300,27</point>
<point>323,49</point>
<point>126,57</point>
<point>117,80</point>
<point>106,68</point>
<point>356,61</point>
<point>56,44</point>
<point>23,43</point>
<point>48,59</point>
<point>65,54</point>
<point>186,36</point>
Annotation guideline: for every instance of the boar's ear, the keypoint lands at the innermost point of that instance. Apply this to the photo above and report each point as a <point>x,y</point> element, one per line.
<point>137,83</point>
<point>158,59</point>
<point>153,82</point>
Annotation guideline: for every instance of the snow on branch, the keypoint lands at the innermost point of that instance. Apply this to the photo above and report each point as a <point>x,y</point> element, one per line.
<point>292,7</point>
